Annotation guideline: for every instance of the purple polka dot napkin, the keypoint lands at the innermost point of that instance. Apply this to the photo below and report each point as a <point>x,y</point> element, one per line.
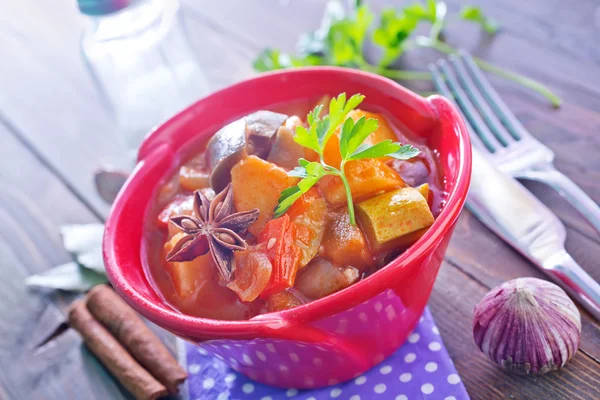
<point>419,369</point>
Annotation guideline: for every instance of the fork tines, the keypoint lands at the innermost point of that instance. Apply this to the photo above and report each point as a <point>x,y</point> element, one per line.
<point>492,124</point>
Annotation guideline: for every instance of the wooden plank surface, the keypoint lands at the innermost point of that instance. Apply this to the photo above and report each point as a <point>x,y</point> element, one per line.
<point>54,131</point>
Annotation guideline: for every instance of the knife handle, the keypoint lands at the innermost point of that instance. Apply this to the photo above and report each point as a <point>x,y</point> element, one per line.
<point>565,271</point>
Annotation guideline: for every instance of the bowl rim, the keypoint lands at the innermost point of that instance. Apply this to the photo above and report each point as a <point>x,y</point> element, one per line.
<point>345,299</point>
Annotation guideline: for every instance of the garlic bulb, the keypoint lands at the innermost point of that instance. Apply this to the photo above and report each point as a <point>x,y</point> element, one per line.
<point>527,326</point>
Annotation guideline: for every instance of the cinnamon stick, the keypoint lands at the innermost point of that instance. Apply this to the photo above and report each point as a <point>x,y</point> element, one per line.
<point>116,359</point>
<point>128,328</point>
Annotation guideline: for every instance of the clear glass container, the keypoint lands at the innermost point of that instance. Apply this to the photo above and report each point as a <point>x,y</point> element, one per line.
<point>140,58</point>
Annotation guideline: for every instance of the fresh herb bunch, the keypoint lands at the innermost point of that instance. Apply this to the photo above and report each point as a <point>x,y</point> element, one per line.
<point>352,136</point>
<point>340,41</point>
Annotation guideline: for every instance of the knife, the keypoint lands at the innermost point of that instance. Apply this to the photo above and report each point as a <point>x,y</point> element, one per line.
<point>508,209</point>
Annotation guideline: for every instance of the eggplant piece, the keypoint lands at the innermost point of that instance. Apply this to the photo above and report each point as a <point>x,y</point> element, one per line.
<point>261,127</point>
<point>285,151</point>
<point>223,151</point>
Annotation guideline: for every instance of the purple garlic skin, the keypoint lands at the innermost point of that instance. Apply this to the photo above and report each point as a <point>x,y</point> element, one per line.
<point>527,326</point>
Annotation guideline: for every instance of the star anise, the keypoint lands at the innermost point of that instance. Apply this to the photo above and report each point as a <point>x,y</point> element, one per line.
<point>213,226</point>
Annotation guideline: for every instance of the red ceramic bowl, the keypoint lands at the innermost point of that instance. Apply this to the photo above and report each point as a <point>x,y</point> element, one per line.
<point>337,337</point>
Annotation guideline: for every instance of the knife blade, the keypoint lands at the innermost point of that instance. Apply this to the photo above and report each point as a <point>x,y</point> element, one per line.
<point>508,209</point>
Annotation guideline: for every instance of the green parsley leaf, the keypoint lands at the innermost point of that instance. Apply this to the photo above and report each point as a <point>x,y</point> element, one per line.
<point>475,14</point>
<point>393,31</point>
<point>311,172</point>
<point>305,138</point>
<point>352,135</point>
<point>387,148</point>
<point>405,152</point>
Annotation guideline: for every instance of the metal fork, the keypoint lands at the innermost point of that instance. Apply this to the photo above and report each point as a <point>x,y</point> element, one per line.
<point>497,131</point>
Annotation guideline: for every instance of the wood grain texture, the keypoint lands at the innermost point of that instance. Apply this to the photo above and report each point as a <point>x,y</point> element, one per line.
<point>55,130</point>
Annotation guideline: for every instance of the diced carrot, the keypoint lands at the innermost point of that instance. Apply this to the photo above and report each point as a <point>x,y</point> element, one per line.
<point>366,178</point>
<point>258,184</point>
<point>344,244</point>
<point>279,237</point>
<point>252,273</point>
<point>308,214</point>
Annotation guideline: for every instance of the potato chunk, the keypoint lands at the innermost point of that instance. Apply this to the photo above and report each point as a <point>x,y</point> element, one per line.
<point>391,219</point>
<point>190,276</point>
<point>344,244</point>
<point>366,178</point>
<point>258,184</point>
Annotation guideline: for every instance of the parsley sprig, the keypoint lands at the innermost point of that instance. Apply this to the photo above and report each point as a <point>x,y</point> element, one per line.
<point>352,147</point>
<point>341,37</point>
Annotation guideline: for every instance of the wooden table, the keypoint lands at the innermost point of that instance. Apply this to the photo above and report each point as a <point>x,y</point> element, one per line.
<point>54,131</point>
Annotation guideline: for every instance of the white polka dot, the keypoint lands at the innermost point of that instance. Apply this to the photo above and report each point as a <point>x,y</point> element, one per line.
<point>294,357</point>
<point>390,294</point>
<point>401,397</point>
<point>283,368</point>
<point>237,345</point>
<point>390,312</point>
<point>453,379</point>
<point>270,347</point>
<point>405,377</point>
<point>266,398</point>
<point>208,383</point>
<point>414,338</point>
<point>223,396</point>
<point>378,306</point>
<point>248,388</point>
<point>311,398</point>
<point>360,380</point>
<point>335,393</point>
<point>301,345</point>
<point>437,332</point>
<point>386,369</point>
<point>194,368</point>
<point>291,392</point>
<point>410,357</point>
<point>226,346</point>
<point>431,367</point>
<point>230,378</point>
<point>427,388</point>
<point>317,361</point>
<point>422,319</point>
<point>202,351</point>
<point>363,317</point>
<point>247,359</point>
<point>435,346</point>
<point>232,360</point>
<point>380,388</point>
<point>261,356</point>
<point>355,397</point>
<point>450,398</point>
<point>220,357</point>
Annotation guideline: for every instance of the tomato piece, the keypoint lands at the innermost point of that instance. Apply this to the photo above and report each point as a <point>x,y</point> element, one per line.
<point>252,273</point>
<point>180,205</point>
<point>279,237</point>
<point>308,213</point>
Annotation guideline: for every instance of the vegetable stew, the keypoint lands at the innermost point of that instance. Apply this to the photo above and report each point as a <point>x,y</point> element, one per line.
<point>283,207</point>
